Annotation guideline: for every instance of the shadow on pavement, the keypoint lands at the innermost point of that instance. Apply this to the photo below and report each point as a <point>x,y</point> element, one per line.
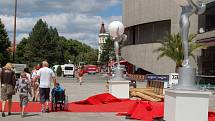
<point>30,115</point>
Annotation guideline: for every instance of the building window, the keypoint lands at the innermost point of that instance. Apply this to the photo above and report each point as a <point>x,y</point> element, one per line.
<point>148,33</point>
<point>206,20</point>
<point>208,59</point>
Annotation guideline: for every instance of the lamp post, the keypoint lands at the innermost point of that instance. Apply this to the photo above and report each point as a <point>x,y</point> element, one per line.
<point>118,86</point>
<point>116,30</point>
<point>187,74</point>
<point>14,31</point>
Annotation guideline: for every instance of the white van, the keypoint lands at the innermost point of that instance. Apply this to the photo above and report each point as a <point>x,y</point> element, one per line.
<point>69,70</point>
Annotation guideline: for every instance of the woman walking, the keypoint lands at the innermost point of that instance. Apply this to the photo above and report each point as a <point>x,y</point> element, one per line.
<point>8,82</point>
<point>35,83</point>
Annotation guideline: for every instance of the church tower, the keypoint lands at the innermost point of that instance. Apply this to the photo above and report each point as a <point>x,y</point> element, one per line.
<point>102,39</point>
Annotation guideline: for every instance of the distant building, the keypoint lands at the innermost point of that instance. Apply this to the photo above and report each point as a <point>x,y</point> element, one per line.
<point>102,39</point>
<point>148,21</point>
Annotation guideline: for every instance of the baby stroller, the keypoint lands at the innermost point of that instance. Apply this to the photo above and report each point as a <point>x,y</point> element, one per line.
<point>59,99</point>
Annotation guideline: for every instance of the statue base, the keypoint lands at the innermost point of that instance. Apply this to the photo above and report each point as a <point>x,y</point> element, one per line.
<point>119,87</point>
<point>187,79</point>
<point>186,105</point>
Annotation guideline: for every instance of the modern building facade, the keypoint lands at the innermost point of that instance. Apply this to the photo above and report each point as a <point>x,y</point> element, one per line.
<point>147,23</point>
<point>102,39</point>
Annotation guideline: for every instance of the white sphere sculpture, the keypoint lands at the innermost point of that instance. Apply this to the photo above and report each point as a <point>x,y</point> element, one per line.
<point>116,29</point>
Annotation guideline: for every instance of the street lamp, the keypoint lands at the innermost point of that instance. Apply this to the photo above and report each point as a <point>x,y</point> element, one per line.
<point>187,74</point>
<point>14,31</point>
<point>118,86</point>
<point>116,30</point>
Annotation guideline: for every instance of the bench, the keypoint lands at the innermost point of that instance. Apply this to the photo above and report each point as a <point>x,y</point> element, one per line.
<point>153,90</point>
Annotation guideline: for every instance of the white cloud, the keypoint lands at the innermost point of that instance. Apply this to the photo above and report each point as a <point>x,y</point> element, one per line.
<point>81,27</point>
<point>23,24</point>
<point>74,19</point>
<point>88,38</point>
<point>21,36</point>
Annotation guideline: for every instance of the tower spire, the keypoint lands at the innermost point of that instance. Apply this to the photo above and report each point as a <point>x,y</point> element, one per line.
<point>102,29</point>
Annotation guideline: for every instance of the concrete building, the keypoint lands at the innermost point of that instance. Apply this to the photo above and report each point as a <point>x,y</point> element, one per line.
<point>102,39</point>
<point>148,21</point>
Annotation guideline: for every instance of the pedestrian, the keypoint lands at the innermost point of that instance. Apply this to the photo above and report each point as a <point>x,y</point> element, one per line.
<point>35,83</point>
<point>27,72</point>
<point>77,73</point>
<point>81,74</point>
<point>8,82</point>
<point>46,75</point>
<point>24,88</point>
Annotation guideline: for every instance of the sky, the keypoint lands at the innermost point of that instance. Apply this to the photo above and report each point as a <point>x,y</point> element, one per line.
<point>74,19</point>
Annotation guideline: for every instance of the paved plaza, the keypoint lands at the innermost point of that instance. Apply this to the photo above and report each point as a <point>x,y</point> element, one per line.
<point>94,84</point>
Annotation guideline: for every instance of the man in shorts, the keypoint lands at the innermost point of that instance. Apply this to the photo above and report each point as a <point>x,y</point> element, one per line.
<point>46,75</point>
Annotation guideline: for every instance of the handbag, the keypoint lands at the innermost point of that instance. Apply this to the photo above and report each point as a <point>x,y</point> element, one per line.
<point>10,88</point>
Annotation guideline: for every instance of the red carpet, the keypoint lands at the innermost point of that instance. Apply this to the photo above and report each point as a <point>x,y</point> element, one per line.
<point>104,98</point>
<point>98,103</point>
<point>122,106</point>
<point>211,116</point>
<point>142,110</point>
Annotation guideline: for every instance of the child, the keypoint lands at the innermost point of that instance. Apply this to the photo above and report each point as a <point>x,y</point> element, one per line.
<point>24,88</point>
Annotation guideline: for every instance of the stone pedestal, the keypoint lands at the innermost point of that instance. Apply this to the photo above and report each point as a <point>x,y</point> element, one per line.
<point>119,89</point>
<point>186,105</point>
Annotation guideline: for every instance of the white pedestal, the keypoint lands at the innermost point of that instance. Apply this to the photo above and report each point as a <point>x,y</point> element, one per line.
<point>186,105</point>
<point>119,89</point>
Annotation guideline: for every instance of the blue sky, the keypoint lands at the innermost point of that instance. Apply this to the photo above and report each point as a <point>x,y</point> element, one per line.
<point>75,19</point>
<point>115,10</point>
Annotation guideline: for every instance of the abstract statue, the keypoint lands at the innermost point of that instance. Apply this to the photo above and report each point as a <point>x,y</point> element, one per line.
<point>187,11</point>
<point>187,74</point>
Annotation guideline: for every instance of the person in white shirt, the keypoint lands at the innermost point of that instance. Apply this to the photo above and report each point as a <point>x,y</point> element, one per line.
<point>46,75</point>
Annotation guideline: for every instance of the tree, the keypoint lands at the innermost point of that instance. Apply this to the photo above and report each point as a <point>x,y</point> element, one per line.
<point>171,47</point>
<point>21,52</point>
<point>4,45</point>
<point>108,51</point>
<point>44,43</point>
